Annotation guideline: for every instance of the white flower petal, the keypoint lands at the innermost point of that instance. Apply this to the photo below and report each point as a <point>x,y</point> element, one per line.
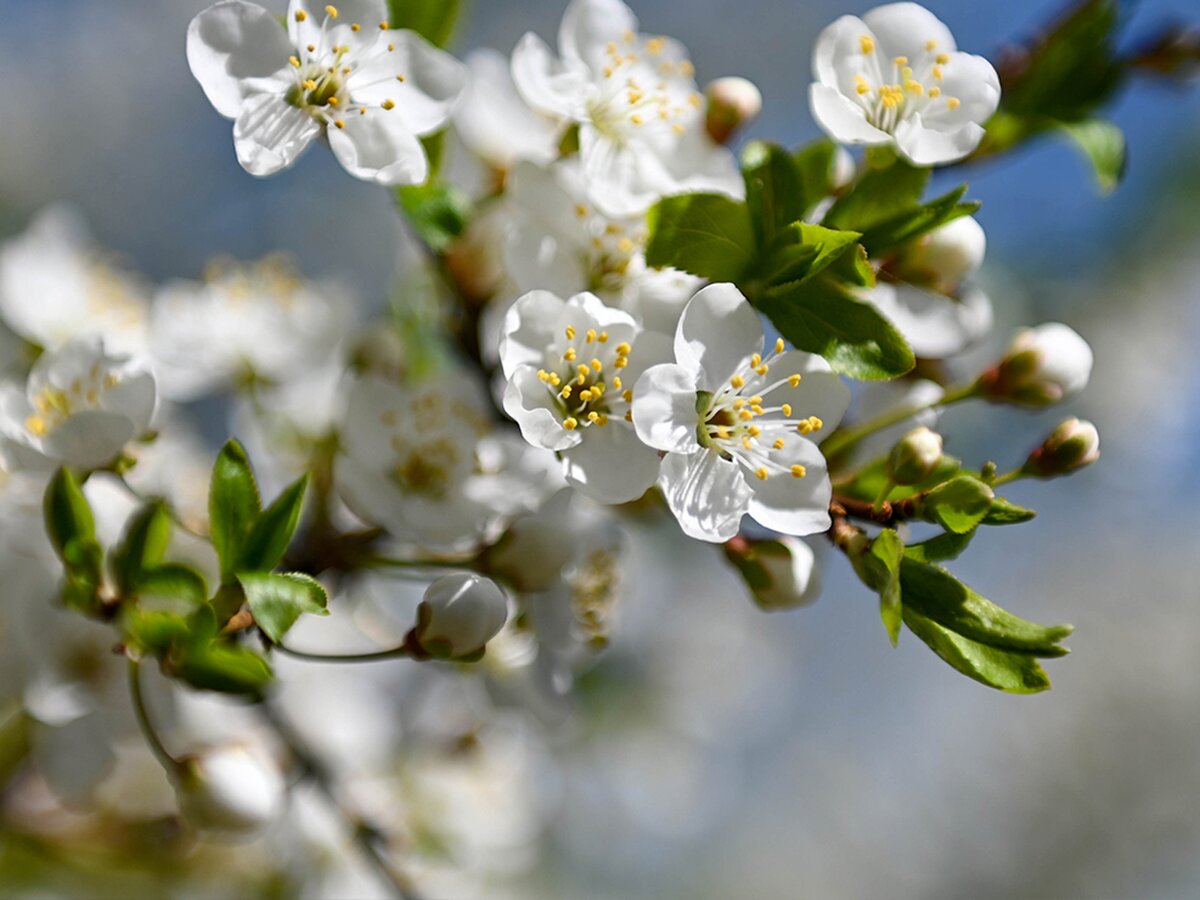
<point>793,505</point>
<point>974,83</point>
<point>133,398</point>
<point>718,331</point>
<point>379,147</point>
<point>529,402</point>
<point>433,80</point>
<point>706,493</point>
<point>315,28</point>
<point>270,134</point>
<point>905,29</point>
<point>611,465</point>
<point>234,49</point>
<point>838,41</point>
<point>530,325</point>
<point>841,118</point>
<point>588,26</point>
<point>820,393</point>
<point>664,408</point>
<point>924,146</point>
<point>89,439</point>
<point>546,83</point>
<point>495,123</point>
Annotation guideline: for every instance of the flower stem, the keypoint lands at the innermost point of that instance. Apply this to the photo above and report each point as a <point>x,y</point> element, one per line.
<point>843,440</point>
<point>1008,477</point>
<point>169,762</point>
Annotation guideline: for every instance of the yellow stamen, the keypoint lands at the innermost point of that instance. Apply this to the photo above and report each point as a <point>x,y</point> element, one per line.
<point>786,409</point>
<point>301,15</point>
<point>953,102</point>
<point>779,345</point>
<point>295,61</point>
<point>778,445</point>
<point>794,380</point>
<point>799,471</point>
<point>388,104</point>
<point>331,11</point>
<point>867,43</point>
<point>570,423</point>
<point>761,473</point>
<point>737,381</point>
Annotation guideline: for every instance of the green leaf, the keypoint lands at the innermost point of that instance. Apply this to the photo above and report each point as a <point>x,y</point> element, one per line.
<point>879,195</point>
<point>820,316</point>
<point>223,667</point>
<point>143,546</point>
<point>960,503</point>
<point>68,515</point>
<point>174,581</point>
<point>889,550</point>
<point>1103,143</point>
<point>938,549</point>
<point>708,235</point>
<point>802,251</point>
<point>775,190</point>
<point>1005,512</point>
<point>272,532</point>
<point>937,595</point>
<point>438,212</point>
<point>814,164</point>
<point>277,601</point>
<point>871,478</point>
<point>434,20</point>
<point>1015,673</point>
<point>233,506</point>
<point>905,227</point>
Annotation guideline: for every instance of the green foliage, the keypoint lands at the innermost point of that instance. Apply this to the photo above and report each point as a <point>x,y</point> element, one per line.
<point>910,224</point>
<point>888,549</point>
<point>959,504</point>
<point>879,195</point>
<point>434,20</point>
<point>438,212</point>
<point>1014,673</point>
<point>143,547</point>
<point>233,506</point>
<point>801,251</point>
<point>782,187</point>
<point>709,235</point>
<point>1104,145</point>
<point>277,601</point>
<point>271,534</point>
<point>68,515</point>
<point>944,547</point>
<point>1005,512</point>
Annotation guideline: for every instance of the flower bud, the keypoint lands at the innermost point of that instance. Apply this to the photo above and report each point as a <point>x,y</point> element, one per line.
<point>459,614</point>
<point>1072,445</point>
<point>915,457</point>
<point>229,788</point>
<point>732,102</point>
<point>943,259</point>
<point>780,573</point>
<point>1043,366</point>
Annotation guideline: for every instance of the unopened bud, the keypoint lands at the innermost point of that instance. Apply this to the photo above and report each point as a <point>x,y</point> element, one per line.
<point>915,457</point>
<point>1043,366</point>
<point>781,573</point>
<point>1072,445</point>
<point>732,102</point>
<point>946,257</point>
<point>459,614</point>
<point>229,788</point>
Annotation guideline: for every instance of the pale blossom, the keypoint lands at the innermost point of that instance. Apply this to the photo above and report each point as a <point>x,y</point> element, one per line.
<point>81,406</point>
<point>570,367</point>
<point>634,97</point>
<point>459,614</point>
<point>736,424</point>
<point>896,77</point>
<point>338,72</point>
<point>230,788</point>
<point>1044,365</point>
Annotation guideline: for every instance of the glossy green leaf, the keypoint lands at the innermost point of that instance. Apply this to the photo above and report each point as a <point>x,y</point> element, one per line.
<point>911,224</point>
<point>223,667</point>
<point>802,251</point>
<point>1015,673</point>
<point>888,549</point>
<point>1103,143</point>
<point>174,581</point>
<point>438,212</point>
<point>775,189</point>
<point>960,503</point>
<point>233,506</point>
<point>434,20</point>
<point>815,166</point>
<point>1005,512</point>
<point>870,479</point>
<point>67,513</point>
<point>153,632</point>
<point>879,195</point>
<point>944,547</point>
<point>142,547</point>
<point>272,532</point>
<point>937,595</point>
<point>708,235</point>
<point>277,601</point>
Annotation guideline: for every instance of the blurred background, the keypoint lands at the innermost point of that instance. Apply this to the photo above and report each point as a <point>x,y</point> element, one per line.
<point>796,754</point>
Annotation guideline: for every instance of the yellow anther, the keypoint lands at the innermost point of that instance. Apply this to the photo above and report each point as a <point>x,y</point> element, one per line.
<point>906,72</point>
<point>745,415</point>
<point>309,84</point>
<point>930,45</point>
<point>295,61</point>
<point>763,369</point>
<point>334,101</point>
<point>754,431</point>
<point>598,389</point>
<point>686,69</point>
<point>677,128</point>
<point>625,245</point>
<point>737,381</point>
<point>637,120</point>
<point>786,409</point>
<point>391,48</point>
<point>608,71</point>
<point>36,425</point>
<point>761,473</point>
<point>312,48</point>
<point>756,409</point>
<point>593,416</point>
<point>794,380</point>
<point>756,361</point>
<point>583,371</point>
<point>570,355</point>
<point>942,59</point>
<point>301,15</point>
<point>384,26</point>
<point>623,349</point>
<point>778,445</point>
<point>798,471</point>
<point>388,104</point>
<point>914,87</point>
<point>694,101</point>
<point>722,432</point>
<point>779,345</point>
<point>340,123</point>
<point>581,210</point>
<point>399,77</point>
<point>655,46</point>
<point>627,395</point>
<point>602,337</point>
<point>570,332</point>
<point>816,423</point>
<point>543,375</point>
<point>616,382</point>
<point>937,73</point>
<point>354,26</point>
<point>570,423</point>
<point>590,337</point>
<point>747,443</point>
<point>953,102</point>
<point>566,392</point>
<point>756,399</point>
<point>867,44</point>
<point>585,395</point>
<point>597,366</point>
<point>621,362</point>
<point>901,60</point>
<point>739,403</point>
<point>331,11</point>
<point>935,92</point>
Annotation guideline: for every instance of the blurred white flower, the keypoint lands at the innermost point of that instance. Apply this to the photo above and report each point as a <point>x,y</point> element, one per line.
<point>459,614</point>
<point>640,115</point>
<point>337,72</point>
<point>55,285</point>
<point>80,408</point>
<point>728,452</point>
<point>780,573</point>
<point>570,366</point>
<point>895,77</point>
<point>246,320</point>
<point>1044,365</point>
<point>230,788</point>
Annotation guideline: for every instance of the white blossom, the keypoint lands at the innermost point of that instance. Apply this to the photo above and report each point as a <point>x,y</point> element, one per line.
<point>56,285</point>
<point>735,424</point>
<point>1044,365</point>
<point>634,97</point>
<point>895,77</point>
<point>571,365</point>
<point>459,614</point>
<point>230,788</point>
<point>80,408</point>
<point>337,71</point>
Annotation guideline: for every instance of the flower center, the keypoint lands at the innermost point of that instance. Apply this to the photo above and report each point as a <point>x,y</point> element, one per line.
<point>890,91</point>
<point>52,405</point>
<point>636,91</point>
<point>736,422</point>
<point>587,391</point>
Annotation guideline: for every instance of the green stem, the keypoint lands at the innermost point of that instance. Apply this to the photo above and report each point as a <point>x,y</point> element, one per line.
<point>157,747</point>
<point>1008,477</point>
<point>843,440</point>
<point>375,656</point>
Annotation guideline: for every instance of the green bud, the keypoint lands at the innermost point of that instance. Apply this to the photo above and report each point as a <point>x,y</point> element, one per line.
<point>915,457</point>
<point>1072,445</point>
<point>732,102</point>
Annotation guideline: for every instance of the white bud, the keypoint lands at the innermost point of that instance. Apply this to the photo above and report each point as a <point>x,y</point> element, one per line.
<point>732,102</point>
<point>229,788</point>
<point>915,456</point>
<point>1044,365</point>
<point>459,614</point>
<point>781,573</point>
<point>1072,445</point>
<point>954,252</point>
